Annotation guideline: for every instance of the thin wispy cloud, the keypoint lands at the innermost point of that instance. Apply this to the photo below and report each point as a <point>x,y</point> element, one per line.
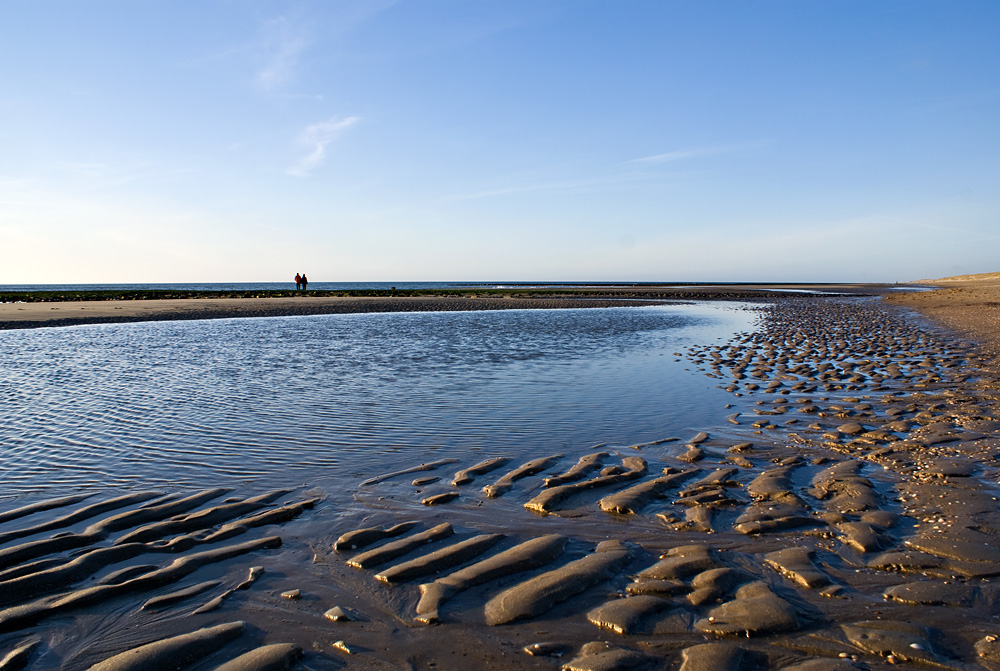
<point>96,176</point>
<point>284,41</point>
<point>565,185</point>
<point>84,169</point>
<point>698,152</point>
<point>272,55</point>
<point>314,139</point>
<point>318,97</point>
<point>970,233</point>
<point>628,176</point>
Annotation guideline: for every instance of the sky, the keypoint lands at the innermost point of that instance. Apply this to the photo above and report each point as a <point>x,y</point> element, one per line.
<point>498,140</point>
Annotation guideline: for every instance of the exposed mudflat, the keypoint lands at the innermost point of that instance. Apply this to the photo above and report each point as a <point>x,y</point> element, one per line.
<point>54,312</point>
<point>38,315</point>
<point>849,520</point>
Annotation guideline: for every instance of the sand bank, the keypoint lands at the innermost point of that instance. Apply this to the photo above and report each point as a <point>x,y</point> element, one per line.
<point>42,314</point>
<point>35,315</point>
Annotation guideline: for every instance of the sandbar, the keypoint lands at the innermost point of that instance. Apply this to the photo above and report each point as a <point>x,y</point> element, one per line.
<point>22,315</point>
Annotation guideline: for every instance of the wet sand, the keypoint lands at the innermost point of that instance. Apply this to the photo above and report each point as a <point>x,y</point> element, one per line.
<point>47,314</point>
<point>968,304</point>
<point>846,516</point>
<point>35,315</point>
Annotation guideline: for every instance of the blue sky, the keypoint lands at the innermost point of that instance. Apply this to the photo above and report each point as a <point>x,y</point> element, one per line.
<point>226,140</point>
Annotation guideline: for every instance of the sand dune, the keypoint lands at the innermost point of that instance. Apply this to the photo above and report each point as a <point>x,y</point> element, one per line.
<point>980,277</point>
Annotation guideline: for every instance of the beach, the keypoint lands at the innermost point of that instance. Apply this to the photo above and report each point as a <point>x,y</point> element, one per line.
<point>841,513</point>
<point>34,315</point>
<point>70,313</point>
<point>969,304</point>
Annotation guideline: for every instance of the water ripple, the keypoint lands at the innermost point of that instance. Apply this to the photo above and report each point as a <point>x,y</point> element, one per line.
<point>288,399</point>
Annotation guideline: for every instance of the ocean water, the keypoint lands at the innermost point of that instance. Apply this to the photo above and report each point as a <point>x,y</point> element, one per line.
<point>324,400</point>
<point>245,286</point>
<point>324,286</point>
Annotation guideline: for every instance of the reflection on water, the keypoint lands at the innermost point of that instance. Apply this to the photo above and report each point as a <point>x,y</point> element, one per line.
<point>306,399</point>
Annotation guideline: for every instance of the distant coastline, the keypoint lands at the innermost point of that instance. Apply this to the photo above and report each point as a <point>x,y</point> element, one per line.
<point>235,286</point>
<point>35,309</point>
<point>397,286</point>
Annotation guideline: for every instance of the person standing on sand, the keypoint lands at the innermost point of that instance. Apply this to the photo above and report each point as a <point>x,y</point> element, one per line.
<point>305,281</point>
<point>298,281</point>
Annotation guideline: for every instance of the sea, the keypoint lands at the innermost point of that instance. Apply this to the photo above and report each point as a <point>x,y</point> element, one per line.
<point>327,400</point>
<point>320,286</point>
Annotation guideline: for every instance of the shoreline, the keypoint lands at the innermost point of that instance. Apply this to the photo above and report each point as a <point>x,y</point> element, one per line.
<point>48,313</point>
<point>969,307</point>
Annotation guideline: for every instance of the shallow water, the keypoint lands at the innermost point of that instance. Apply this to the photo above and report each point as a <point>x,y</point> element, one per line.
<point>276,401</point>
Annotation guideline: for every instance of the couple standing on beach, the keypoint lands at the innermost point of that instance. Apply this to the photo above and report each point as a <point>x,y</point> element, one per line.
<point>301,281</point>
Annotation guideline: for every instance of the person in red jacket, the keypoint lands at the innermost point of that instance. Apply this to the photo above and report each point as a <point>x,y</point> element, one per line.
<point>298,281</point>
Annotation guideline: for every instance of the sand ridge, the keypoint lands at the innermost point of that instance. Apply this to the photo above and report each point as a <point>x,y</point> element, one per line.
<point>35,315</point>
<point>20,315</point>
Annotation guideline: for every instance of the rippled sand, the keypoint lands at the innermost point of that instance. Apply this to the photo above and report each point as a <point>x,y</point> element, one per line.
<point>849,519</point>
